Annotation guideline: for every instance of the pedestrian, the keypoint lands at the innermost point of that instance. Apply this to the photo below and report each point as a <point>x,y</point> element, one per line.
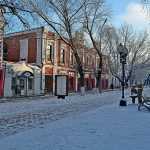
<point>139,93</point>
<point>133,93</point>
<point>112,86</point>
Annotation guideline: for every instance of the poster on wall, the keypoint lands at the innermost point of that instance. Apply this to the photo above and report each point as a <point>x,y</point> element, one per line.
<point>61,86</point>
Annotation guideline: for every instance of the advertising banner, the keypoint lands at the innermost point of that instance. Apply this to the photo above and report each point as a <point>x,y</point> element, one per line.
<point>61,86</point>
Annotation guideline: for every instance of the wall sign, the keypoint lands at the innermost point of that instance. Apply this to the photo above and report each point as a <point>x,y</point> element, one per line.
<point>26,74</point>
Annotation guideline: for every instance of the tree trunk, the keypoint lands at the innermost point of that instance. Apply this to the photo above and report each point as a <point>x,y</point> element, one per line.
<point>81,80</point>
<point>80,71</point>
<point>98,77</point>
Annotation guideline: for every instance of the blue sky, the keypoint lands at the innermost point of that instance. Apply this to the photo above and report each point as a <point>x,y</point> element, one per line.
<point>129,11</point>
<point>123,11</point>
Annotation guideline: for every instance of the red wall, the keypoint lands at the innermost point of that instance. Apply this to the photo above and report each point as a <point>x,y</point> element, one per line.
<point>13,46</point>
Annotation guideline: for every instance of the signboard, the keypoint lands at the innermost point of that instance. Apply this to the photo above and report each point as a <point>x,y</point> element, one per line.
<point>61,86</point>
<point>27,74</point>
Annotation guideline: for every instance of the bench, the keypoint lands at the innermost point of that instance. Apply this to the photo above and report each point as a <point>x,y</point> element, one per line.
<point>145,103</point>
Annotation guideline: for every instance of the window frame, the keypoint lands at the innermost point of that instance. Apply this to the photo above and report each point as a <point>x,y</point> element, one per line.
<point>50,51</point>
<point>62,56</point>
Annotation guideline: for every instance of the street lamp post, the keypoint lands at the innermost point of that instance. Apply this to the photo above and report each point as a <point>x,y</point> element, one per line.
<point>2,25</point>
<point>123,51</point>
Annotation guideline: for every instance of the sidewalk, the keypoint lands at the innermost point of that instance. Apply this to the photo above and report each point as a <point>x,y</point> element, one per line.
<point>106,128</point>
<point>47,96</point>
<point>19,116</point>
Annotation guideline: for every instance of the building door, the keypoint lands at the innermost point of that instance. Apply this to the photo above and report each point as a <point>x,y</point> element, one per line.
<point>22,86</point>
<point>48,83</point>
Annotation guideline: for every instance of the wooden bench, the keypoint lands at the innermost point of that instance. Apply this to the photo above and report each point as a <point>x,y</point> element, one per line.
<point>145,103</point>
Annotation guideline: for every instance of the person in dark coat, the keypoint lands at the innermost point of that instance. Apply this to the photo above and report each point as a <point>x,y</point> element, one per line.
<point>139,93</point>
<point>112,86</point>
<point>133,93</point>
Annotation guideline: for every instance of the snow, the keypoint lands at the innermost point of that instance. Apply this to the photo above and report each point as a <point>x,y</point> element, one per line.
<point>23,106</point>
<point>87,127</point>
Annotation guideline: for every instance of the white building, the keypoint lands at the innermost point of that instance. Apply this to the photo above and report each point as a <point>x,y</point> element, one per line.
<point>22,79</point>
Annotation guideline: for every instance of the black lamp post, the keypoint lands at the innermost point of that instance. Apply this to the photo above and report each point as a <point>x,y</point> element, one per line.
<point>2,25</point>
<point>123,51</point>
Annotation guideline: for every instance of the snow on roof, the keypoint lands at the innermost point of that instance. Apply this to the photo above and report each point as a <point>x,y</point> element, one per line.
<point>21,67</point>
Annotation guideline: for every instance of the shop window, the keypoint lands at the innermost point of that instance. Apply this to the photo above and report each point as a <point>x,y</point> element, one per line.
<point>22,84</point>
<point>13,83</point>
<point>30,83</point>
<point>62,56</point>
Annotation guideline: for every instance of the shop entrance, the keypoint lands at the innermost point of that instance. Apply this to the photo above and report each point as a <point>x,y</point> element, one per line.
<point>23,85</point>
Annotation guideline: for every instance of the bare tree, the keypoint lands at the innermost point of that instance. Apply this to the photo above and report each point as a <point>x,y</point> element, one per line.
<point>146,6</point>
<point>63,16</point>
<point>15,8</point>
<point>95,16</point>
<point>137,50</point>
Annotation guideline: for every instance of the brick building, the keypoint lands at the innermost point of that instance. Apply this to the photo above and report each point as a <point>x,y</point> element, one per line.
<point>43,49</point>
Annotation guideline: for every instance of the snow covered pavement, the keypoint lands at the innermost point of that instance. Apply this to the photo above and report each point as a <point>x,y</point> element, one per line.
<point>103,125</point>
<point>18,116</point>
<point>109,127</point>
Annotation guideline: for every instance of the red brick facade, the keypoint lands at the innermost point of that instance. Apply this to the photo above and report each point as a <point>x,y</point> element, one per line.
<point>62,61</point>
<point>13,46</point>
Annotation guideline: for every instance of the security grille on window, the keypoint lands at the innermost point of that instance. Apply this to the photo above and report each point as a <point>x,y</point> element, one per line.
<point>62,56</point>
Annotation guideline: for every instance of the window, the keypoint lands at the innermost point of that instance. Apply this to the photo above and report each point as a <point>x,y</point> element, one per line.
<point>5,52</point>
<point>71,58</point>
<point>22,83</point>
<point>87,60</point>
<point>23,49</point>
<point>62,56</point>
<point>30,83</point>
<point>13,83</point>
<point>93,62</point>
<point>49,52</point>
